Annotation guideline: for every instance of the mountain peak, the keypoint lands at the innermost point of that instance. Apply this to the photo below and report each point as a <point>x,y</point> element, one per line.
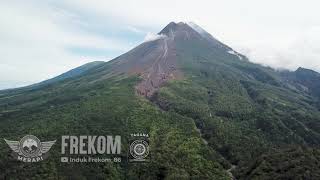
<point>180,30</point>
<point>190,30</point>
<point>157,62</point>
<point>302,70</point>
<point>173,27</point>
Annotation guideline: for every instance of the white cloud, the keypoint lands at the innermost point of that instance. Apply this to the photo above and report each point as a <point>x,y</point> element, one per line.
<point>136,30</point>
<point>153,37</point>
<point>34,43</point>
<point>34,34</point>
<point>268,30</point>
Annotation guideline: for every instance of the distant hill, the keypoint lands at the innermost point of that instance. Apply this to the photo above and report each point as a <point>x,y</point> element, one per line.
<point>305,79</point>
<point>74,72</point>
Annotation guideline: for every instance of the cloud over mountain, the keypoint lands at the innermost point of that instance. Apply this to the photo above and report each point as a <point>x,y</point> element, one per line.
<point>59,35</point>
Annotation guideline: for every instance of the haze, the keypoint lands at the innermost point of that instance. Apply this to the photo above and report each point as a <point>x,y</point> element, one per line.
<point>42,39</point>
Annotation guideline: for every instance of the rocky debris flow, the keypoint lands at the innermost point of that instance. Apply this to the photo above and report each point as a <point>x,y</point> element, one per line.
<point>164,65</point>
<point>162,69</point>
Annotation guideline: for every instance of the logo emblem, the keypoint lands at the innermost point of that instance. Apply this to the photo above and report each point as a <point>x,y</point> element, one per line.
<point>30,148</point>
<point>139,150</point>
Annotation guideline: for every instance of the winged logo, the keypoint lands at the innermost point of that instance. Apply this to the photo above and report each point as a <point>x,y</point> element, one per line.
<point>46,146</point>
<point>30,147</point>
<point>14,145</point>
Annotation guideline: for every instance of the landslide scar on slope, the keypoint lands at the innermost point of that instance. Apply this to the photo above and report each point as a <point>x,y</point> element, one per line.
<point>162,69</point>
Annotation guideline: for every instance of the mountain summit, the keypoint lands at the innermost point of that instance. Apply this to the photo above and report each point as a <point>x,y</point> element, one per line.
<point>156,61</point>
<point>180,30</point>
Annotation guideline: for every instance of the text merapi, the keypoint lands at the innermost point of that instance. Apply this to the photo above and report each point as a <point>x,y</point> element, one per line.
<point>91,144</point>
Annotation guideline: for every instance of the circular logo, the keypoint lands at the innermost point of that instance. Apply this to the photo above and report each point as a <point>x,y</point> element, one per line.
<point>30,146</point>
<point>139,149</point>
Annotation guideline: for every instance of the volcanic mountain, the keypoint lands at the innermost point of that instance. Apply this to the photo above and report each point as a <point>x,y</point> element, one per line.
<point>209,111</point>
<point>156,61</point>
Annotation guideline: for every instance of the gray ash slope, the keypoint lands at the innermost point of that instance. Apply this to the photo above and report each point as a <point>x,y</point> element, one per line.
<point>156,61</point>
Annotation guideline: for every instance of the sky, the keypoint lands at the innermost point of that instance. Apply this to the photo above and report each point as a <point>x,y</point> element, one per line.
<point>40,39</point>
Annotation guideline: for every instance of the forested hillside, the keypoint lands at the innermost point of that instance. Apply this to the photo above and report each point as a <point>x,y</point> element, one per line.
<point>210,113</point>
